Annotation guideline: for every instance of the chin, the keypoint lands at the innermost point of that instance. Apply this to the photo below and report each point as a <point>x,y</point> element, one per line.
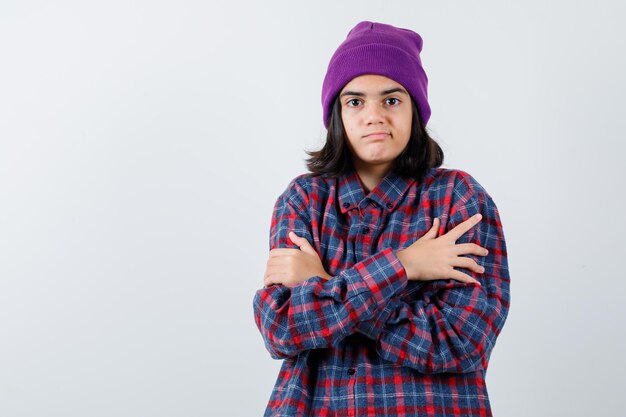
<point>377,161</point>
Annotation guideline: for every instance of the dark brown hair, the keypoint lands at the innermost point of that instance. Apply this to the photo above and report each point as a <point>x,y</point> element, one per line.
<point>335,158</point>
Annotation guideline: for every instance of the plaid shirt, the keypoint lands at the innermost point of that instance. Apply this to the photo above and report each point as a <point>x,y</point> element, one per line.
<point>369,342</point>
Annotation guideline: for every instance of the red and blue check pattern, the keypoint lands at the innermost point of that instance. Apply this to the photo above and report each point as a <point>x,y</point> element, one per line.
<point>369,342</point>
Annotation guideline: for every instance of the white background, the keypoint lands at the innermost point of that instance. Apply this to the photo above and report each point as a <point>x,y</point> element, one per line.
<point>143,145</point>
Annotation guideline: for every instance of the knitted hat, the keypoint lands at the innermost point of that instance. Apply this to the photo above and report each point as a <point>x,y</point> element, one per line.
<point>377,48</point>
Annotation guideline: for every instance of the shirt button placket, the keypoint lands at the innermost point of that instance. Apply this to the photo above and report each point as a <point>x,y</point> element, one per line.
<point>351,392</point>
<point>366,232</point>
<point>370,236</point>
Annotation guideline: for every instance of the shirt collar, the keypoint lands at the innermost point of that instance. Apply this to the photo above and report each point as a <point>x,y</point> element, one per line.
<point>387,194</point>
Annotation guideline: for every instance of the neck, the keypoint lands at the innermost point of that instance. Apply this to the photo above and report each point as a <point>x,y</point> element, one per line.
<point>371,175</point>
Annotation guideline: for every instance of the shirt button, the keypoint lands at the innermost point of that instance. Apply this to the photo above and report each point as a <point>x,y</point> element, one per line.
<point>351,371</point>
<point>346,205</point>
<point>389,205</point>
<point>366,230</point>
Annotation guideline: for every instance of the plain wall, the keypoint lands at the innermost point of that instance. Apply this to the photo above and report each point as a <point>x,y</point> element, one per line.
<point>144,143</point>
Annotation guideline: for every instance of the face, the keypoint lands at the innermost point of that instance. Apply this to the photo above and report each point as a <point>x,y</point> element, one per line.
<point>376,114</point>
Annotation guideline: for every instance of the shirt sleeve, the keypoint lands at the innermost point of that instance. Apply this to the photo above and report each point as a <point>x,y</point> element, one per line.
<point>451,326</point>
<point>319,312</point>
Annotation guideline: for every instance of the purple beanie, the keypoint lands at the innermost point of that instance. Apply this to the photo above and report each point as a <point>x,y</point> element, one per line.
<point>377,48</point>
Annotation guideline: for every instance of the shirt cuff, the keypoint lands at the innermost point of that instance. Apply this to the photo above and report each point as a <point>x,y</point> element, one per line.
<point>384,275</point>
<point>374,326</point>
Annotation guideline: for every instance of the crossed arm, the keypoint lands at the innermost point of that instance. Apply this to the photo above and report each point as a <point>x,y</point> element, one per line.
<point>450,326</point>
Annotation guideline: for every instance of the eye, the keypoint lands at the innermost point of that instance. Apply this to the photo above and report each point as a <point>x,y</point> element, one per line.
<point>393,98</point>
<point>352,100</point>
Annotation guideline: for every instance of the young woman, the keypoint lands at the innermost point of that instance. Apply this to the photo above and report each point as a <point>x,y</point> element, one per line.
<point>387,282</point>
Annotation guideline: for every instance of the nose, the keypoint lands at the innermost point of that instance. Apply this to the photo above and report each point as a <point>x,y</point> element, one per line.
<point>374,114</point>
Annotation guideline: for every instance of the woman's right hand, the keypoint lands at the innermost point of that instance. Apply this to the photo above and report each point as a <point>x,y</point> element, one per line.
<point>431,257</point>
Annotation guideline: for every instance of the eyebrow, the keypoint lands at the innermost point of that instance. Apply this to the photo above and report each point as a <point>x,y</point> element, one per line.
<point>382,93</point>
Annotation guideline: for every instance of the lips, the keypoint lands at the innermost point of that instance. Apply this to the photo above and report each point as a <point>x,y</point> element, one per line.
<point>377,135</point>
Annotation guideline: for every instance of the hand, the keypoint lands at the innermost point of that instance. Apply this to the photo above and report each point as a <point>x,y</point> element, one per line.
<point>431,257</point>
<point>290,267</point>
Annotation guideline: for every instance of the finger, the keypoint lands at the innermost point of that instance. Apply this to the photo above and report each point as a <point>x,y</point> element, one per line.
<point>294,238</point>
<point>303,243</point>
<point>463,227</point>
<point>468,263</point>
<point>460,276</point>
<point>469,248</point>
<point>432,232</point>
<point>277,262</point>
<point>272,278</point>
<point>277,271</point>
<point>270,271</point>
<point>282,252</point>
<point>268,268</point>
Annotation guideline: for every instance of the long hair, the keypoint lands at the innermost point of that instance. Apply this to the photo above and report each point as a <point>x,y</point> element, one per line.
<point>420,154</point>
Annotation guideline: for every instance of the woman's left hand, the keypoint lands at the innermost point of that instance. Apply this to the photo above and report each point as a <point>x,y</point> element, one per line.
<point>290,267</point>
